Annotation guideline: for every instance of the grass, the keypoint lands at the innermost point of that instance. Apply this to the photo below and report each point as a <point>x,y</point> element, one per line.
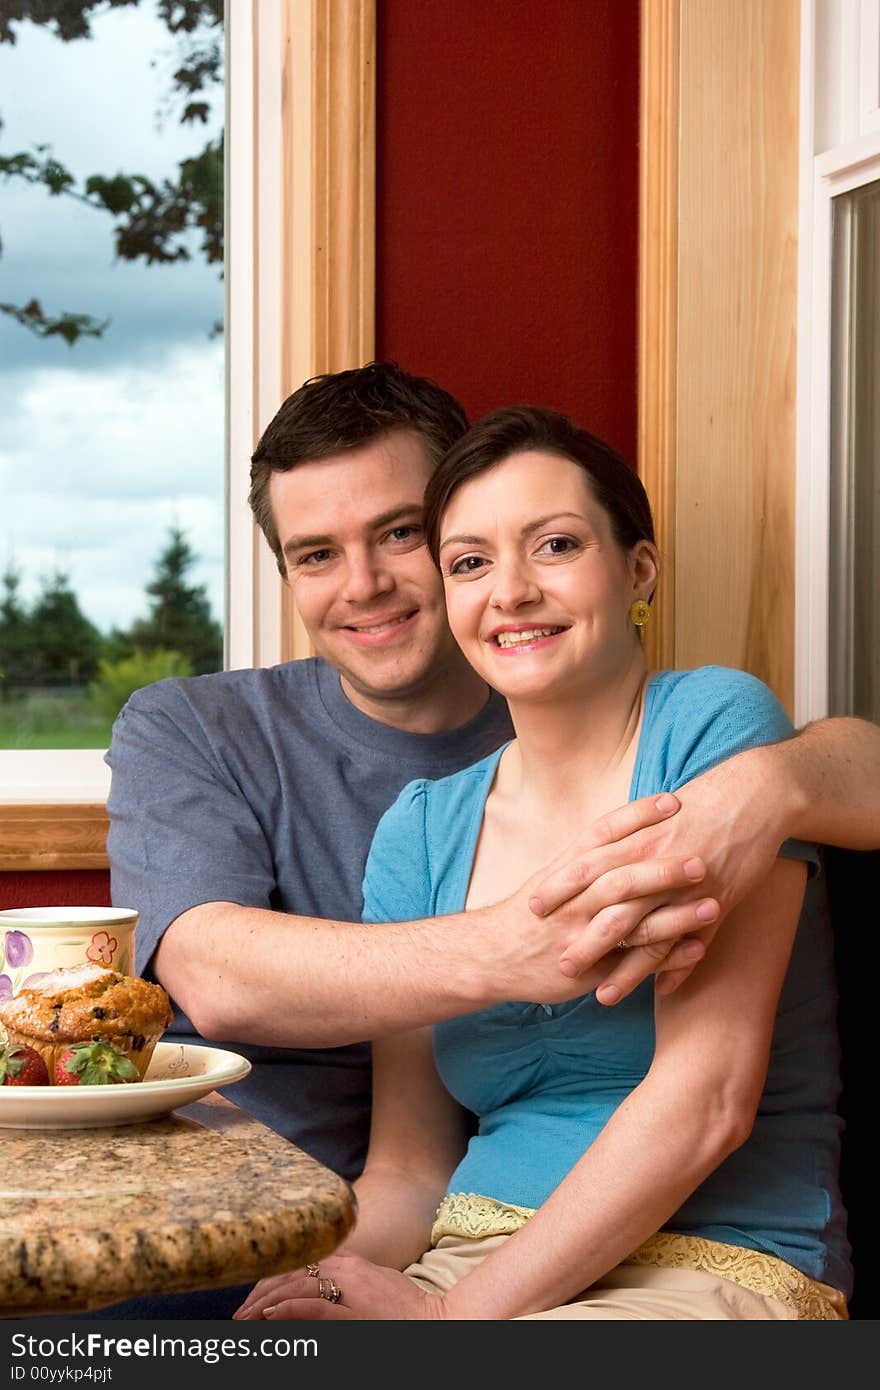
<point>59,720</point>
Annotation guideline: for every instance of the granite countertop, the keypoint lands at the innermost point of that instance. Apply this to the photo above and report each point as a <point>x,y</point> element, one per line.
<point>202,1198</point>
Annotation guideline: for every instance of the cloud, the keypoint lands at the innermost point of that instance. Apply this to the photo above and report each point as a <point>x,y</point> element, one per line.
<point>96,466</point>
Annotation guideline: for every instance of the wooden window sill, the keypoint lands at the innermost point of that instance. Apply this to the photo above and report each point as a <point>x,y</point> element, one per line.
<point>43,835</point>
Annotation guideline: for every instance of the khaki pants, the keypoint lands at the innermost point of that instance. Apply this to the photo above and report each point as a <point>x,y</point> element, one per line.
<point>627,1293</point>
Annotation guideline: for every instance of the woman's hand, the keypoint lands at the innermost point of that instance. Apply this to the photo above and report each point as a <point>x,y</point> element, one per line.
<point>731,822</point>
<point>367,1292</point>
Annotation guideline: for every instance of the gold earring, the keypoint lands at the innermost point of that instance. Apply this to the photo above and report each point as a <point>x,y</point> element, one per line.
<point>640,612</point>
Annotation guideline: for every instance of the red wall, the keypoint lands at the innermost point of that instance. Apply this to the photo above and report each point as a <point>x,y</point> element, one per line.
<point>507,198</point>
<point>85,887</point>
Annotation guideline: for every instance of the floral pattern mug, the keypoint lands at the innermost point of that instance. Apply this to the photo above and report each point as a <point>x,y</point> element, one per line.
<point>35,940</point>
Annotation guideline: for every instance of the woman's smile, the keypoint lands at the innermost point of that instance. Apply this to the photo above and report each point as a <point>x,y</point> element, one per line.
<point>515,640</point>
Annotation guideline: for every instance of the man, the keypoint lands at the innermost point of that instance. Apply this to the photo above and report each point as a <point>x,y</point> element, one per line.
<point>242,804</point>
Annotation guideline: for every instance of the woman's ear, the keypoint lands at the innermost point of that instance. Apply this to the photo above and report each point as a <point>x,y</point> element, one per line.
<point>644,561</point>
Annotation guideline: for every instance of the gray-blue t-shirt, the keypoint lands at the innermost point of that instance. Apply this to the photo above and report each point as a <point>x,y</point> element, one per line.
<point>264,787</point>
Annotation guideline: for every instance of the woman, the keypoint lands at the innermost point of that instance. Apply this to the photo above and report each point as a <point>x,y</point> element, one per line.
<point>640,1162</point>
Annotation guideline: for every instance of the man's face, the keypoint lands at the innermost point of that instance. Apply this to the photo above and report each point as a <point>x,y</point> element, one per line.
<point>368,592</point>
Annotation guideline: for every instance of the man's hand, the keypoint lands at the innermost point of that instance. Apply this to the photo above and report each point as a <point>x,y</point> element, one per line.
<point>592,917</point>
<point>630,877</point>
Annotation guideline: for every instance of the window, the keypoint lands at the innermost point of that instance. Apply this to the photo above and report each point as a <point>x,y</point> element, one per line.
<point>112,385</point>
<point>854,629</point>
<point>838,522</point>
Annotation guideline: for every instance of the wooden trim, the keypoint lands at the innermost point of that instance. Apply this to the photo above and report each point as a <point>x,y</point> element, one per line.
<point>343,183</point>
<point>329,211</point>
<point>658,301</point>
<point>737,338</point>
<point>718,295</point>
<point>46,836</point>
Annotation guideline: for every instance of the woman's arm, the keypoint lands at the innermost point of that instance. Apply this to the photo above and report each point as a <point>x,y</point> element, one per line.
<point>696,1105</point>
<point>418,1134</point>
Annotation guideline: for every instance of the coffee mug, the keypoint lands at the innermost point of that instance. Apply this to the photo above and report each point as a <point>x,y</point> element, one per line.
<point>35,940</point>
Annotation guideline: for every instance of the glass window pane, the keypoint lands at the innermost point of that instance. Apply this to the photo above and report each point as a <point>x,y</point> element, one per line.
<point>854,645</point>
<point>112,487</point>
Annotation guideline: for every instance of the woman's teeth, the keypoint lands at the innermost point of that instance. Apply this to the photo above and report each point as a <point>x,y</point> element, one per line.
<point>529,634</point>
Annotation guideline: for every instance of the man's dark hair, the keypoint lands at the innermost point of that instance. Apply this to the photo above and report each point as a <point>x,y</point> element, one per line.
<point>523,429</point>
<point>346,410</point>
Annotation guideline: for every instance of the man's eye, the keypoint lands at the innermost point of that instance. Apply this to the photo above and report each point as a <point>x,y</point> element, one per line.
<point>405,533</point>
<point>315,557</point>
<point>468,564</point>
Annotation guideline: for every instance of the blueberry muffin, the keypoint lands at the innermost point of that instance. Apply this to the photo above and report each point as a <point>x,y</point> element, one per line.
<point>84,1004</point>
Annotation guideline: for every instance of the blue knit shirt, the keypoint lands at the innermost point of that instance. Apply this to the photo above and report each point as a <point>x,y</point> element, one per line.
<point>544,1079</point>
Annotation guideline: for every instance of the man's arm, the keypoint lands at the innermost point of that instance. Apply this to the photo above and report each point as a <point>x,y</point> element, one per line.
<point>833,767</point>
<point>276,979</point>
<point>822,785</point>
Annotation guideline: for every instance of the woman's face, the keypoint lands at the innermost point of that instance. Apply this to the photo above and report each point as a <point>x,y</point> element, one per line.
<point>538,591</point>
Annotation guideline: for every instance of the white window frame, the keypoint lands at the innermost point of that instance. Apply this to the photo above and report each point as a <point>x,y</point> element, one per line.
<point>840,152</point>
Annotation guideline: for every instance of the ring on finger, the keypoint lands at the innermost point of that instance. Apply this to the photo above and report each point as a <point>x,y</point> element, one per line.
<point>329,1289</point>
<point>313,1271</point>
<point>622,946</point>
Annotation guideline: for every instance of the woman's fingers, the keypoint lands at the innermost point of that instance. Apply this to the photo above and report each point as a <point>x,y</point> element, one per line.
<point>665,940</point>
<point>671,962</point>
<point>632,891</point>
<point>269,1291</point>
<point>598,850</point>
<point>633,905</point>
<point>671,923</point>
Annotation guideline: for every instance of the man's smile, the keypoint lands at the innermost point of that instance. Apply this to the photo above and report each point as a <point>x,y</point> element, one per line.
<point>377,629</point>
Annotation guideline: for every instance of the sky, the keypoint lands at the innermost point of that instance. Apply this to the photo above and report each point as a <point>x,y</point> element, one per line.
<point>107,444</point>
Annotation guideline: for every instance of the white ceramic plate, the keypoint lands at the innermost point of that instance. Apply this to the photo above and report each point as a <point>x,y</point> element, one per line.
<point>177,1075</point>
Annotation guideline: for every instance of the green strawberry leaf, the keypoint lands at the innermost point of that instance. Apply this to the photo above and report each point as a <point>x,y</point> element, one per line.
<point>98,1064</point>
<point>12,1062</point>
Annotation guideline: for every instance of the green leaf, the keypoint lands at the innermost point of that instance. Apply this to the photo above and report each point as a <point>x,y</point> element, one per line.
<point>99,1064</point>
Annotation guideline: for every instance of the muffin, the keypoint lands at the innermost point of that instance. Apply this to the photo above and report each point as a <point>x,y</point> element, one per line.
<point>83,1004</point>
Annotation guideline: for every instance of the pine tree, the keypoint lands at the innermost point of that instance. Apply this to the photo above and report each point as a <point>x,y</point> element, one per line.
<point>66,645</point>
<point>16,635</point>
<point>180,617</point>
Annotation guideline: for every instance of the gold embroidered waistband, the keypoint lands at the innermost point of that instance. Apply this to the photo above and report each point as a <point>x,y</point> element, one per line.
<point>469,1216</point>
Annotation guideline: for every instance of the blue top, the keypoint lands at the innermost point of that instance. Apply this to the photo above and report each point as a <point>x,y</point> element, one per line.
<point>544,1079</point>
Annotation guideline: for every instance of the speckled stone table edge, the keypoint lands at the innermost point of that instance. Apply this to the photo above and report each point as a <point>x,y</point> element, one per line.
<point>240,1203</point>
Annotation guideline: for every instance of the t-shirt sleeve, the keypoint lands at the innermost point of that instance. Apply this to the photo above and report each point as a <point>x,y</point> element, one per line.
<point>397,880</point>
<point>713,713</point>
<point>181,831</point>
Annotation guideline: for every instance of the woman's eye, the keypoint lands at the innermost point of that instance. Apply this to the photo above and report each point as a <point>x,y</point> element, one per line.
<point>558,545</point>
<point>468,564</point>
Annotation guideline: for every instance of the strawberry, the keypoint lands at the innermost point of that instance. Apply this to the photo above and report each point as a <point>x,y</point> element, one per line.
<point>93,1064</point>
<point>22,1066</point>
